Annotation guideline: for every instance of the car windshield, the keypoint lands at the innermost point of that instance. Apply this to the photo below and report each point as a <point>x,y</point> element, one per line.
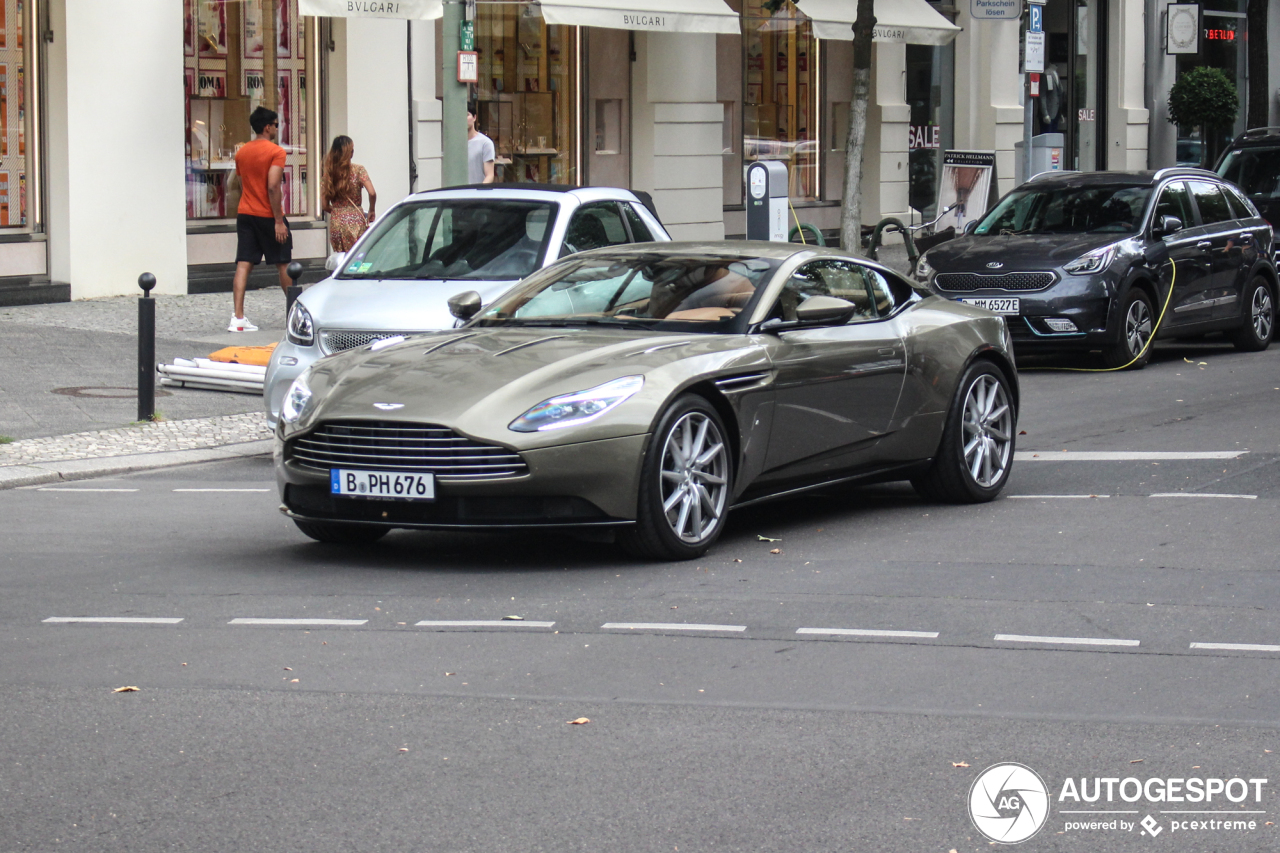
<point>456,239</point>
<point>1068,210</point>
<point>656,291</point>
<point>1254,170</point>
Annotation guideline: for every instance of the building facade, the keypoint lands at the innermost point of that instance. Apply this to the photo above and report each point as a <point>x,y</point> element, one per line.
<point>117,133</point>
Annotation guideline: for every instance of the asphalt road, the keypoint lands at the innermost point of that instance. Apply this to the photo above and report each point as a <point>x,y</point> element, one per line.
<point>1076,626</point>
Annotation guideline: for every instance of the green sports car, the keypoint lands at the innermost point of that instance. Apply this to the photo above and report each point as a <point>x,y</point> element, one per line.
<point>651,388</point>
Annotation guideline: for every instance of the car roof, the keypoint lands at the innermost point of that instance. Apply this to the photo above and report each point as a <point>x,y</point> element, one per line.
<point>1096,179</point>
<point>540,192</point>
<point>1257,136</point>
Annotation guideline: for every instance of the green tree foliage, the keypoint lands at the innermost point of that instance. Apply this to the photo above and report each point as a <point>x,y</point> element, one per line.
<point>1204,97</point>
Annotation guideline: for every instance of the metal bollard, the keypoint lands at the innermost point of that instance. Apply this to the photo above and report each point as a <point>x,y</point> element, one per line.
<point>146,348</point>
<point>293,291</point>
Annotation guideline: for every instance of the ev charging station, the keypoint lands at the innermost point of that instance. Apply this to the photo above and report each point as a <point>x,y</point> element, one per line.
<point>767,201</point>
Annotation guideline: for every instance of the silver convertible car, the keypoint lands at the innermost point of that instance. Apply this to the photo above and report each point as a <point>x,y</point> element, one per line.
<point>651,389</point>
<point>397,279</point>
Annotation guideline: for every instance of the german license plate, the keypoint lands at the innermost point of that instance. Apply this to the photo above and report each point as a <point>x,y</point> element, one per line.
<point>996,304</point>
<point>382,484</point>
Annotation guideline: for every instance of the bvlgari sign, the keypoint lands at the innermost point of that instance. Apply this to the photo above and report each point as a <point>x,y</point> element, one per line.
<point>401,9</point>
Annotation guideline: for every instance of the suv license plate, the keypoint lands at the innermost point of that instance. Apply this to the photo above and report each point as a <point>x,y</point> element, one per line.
<point>998,305</point>
<point>382,484</point>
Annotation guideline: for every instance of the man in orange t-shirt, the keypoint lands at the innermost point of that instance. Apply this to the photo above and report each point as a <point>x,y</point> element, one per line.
<point>261,229</point>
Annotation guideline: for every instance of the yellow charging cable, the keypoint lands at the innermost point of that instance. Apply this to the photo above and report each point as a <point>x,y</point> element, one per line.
<point>1150,339</point>
<point>796,217</point>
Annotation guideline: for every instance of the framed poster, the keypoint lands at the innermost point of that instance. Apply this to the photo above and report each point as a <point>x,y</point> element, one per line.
<point>4,25</point>
<point>780,94</point>
<point>253,87</point>
<point>252,18</point>
<point>967,179</point>
<point>22,198</point>
<point>212,84</point>
<point>5,219</point>
<point>4,110</point>
<point>211,27</point>
<point>301,209</point>
<point>284,29</point>
<point>286,187</point>
<point>188,28</point>
<point>1182,28</point>
<point>302,109</point>
<point>284,106</point>
<point>753,93</point>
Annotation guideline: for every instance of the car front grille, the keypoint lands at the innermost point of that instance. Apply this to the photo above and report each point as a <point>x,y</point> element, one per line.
<point>963,282</point>
<point>337,341</point>
<point>415,448</point>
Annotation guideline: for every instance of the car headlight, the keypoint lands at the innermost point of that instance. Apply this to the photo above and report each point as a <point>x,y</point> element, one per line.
<point>924,271</point>
<point>577,408</point>
<point>296,400</point>
<point>301,330</point>
<point>1095,261</point>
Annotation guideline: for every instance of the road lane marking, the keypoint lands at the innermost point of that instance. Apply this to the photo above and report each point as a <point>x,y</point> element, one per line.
<point>670,626</point>
<point>123,620</point>
<point>222,490</point>
<point>1054,497</point>
<point>482,623</point>
<point>1201,495</point>
<point>66,489</point>
<point>1121,455</point>
<point>869,632</point>
<point>1083,641</point>
<point>1236,647</point>
<point>297,621</point>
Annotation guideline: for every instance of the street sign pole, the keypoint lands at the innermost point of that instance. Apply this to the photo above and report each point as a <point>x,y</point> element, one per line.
<point>1033,65</point>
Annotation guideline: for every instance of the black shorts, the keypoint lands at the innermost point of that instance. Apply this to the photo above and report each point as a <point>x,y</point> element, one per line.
<point>256,239</point>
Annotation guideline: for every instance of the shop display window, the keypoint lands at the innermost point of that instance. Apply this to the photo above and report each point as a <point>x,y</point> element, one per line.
<point>780,97</point>
<point>16,124</point>
<point>226,65</point>
<point>527,95</point>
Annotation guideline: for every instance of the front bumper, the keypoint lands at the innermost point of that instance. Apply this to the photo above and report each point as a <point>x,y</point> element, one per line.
<point>1084,300</point>
<point>590,483</point>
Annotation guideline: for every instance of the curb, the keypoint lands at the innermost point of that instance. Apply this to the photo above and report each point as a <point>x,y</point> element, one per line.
<point>40,473</point>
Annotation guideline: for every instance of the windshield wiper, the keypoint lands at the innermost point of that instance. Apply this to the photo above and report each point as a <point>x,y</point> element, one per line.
<point>583,321</point>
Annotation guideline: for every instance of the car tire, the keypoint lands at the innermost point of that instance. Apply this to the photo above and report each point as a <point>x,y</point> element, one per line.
<point>1258,323</point>
<point>677,494</point>
<point>975,454</point>
<point>1137,322</point>
<point>341,534</point>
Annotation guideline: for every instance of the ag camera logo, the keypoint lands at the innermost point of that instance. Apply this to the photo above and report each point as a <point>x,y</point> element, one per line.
<point>1008,803</point>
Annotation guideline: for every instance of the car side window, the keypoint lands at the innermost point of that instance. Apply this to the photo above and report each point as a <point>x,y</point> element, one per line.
<point>594,226</point>
<point>1211,201</point>
<point>1174,201</point>
<point>841,279</point>
<point>639,231</point>
<point>1241,207</point>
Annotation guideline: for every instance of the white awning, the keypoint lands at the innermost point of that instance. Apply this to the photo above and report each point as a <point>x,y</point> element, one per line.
<point>412,10</point>
<point>668,16</point>
<point>910,21</point>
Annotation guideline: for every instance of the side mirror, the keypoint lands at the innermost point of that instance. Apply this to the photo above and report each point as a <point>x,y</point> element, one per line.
<point>334,261</point>
<point>822,309</point>
<point>464,306</point>
<point>1167,225</point>
<point>970,226</point>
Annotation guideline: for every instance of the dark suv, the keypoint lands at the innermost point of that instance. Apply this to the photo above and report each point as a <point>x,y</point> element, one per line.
<point>1252,163</point>
<point>1080,261</point>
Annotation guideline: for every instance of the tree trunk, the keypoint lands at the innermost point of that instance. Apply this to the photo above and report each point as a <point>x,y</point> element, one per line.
<point>856,141</point>
<point>1258,114</point>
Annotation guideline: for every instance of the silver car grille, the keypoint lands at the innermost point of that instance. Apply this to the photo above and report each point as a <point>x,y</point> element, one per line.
<point>963,282</point>
<point>337,340</point>
<point>415,448</point>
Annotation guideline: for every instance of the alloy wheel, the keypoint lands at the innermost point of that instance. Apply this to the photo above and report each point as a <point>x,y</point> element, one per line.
<point>695,482</point>
<point>988,430</point>
<point>1260,313</point>
<point>1137,326</point>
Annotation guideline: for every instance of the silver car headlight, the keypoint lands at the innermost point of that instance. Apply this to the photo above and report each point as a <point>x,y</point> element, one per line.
<point>296,400</point>
<point>301,329</point>
<point>1094,261</point>
<point>578,408</point>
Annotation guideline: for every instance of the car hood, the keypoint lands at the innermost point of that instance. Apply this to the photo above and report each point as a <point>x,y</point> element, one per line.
<point>391,306</point>
<point>477,381</point>
<point>1016,252</point>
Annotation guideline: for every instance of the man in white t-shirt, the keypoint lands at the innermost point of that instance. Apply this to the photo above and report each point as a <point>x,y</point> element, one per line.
<point>480,155</point>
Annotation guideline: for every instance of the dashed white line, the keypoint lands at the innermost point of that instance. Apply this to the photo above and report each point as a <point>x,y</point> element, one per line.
<point>669,626</point>
<point>869,632</point>
<point>66,489</point>
<point>1121,455</point>
<point>1236,647</point>
<point>123,620</point>
<point>1053,497</point>
<point>482,623</point>
<point>1202,495</point>
<point>298,622</point>
<point>222,490</point>
<point>1077,641</point>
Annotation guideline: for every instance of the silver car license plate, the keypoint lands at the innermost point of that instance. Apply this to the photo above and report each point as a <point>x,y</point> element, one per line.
<point>996,304</point>
<point>382,484</point>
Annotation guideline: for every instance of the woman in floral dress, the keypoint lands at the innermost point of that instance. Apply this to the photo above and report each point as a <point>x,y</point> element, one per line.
<point>340,191</point>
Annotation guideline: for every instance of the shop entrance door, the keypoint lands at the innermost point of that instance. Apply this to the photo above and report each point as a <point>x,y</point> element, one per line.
<point>1073,87</point>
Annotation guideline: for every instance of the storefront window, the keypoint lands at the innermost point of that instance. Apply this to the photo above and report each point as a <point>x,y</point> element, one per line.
<point>226,63</point>
<point>1223,36</point>
<point>527,95</point>
<point>1071,88</point>
<point>780,97</point>
<point>17,148</point>
<point>924,141</point>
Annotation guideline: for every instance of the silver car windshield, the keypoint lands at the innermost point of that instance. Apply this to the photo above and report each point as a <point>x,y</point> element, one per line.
<point>1068,210</point>
<point>649,290</point>
<point>456,239</point>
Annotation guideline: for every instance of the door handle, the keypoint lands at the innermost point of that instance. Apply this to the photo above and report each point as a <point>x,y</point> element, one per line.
<point>887,351</point>
<point>1203,244</point>
<point>1246,235</point>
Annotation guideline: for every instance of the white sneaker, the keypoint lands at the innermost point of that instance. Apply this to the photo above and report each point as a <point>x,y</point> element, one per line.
<point>241,324</point>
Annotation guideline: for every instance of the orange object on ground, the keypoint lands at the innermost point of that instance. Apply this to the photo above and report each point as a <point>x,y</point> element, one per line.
<point>244,355</point>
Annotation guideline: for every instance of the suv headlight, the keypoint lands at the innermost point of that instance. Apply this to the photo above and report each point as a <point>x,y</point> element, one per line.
<point>577,408</point>
<point>301,330</point>
<point>924,270</point>
<point>296,400</point>
<point>1095,261</point>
